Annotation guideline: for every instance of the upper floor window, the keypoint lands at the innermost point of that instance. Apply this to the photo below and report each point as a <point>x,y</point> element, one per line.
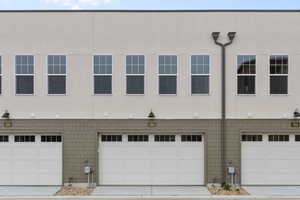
<point>57,74</point>
<point>24,74</point>
<point>167,74</point>
<point>135,70</point>
<point>246,73</point>
<point>103,74</point>
<point>279,74</point>
<point>200,74</point>
<point>0,75</point>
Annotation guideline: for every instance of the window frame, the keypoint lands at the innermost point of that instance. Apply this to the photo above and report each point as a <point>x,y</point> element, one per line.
<point>118,136</point>
<point>278,135</point>
<point>287,75</point>
<point>237,74</point>
<point>190,72</point>
<point>25,142</point>
<point>15,73</point>
<point>176,75</point>
<point>51,142</point>
<point>66,74</point>
<point>3,139</point>
<point>93,74</point>
<point>259,137</point>
<point>125,72</point>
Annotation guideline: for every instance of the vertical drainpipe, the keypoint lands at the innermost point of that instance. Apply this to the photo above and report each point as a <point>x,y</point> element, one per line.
<point>215,36</point>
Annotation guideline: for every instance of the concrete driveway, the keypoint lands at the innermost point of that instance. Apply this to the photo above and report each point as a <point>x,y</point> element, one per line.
<point>273,190</point>
<point>151,191</point>
<point>28,190</point>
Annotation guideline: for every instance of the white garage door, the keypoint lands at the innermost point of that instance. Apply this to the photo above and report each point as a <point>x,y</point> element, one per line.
<point>271,159</point>
<point>151,159</point>
<point>30,160</point>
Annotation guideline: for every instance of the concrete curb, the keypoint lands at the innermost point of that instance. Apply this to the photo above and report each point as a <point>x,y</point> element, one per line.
<point>150,197</point>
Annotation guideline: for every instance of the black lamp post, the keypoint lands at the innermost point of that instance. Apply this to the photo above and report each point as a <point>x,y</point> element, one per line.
<point>231,36</point>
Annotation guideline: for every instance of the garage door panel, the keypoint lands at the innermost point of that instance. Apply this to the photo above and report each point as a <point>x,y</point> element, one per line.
<point>137,165</point>
<point>271,162</point>
<point>111,166</point>
<point>151,162</point>
<point>163,166</point>
<point>29,178</point>
<point>194,165</point>
<point>31,163</point>
<point>164,179</point>
<point>159,151</point>
<point>192,179</point>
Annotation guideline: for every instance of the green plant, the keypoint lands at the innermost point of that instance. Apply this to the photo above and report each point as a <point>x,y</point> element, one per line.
<point>226,186</point>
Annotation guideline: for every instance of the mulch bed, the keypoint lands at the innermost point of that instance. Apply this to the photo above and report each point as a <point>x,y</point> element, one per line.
<point>74,191</point>
<point>233,191</point>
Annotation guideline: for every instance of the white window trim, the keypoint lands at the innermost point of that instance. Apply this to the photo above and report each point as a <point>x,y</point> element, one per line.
<point>47,74</point>
<point>191,74</point>
<point>237,74</point>
<point>269,65</point>
<point>94,75</point>
<point>125,72</point>
<point>15,73</point>
<point>177,77</point>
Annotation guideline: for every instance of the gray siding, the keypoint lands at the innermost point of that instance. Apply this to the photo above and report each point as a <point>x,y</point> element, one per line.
<point>80,139</point>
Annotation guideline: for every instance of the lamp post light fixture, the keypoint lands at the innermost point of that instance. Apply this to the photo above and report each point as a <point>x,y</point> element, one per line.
<point>215,36</point>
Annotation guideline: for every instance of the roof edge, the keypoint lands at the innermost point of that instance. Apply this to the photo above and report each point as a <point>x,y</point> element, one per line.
<point>213,10</point>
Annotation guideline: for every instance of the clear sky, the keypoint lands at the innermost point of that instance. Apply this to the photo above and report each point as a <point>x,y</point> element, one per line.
<point>148,4</point>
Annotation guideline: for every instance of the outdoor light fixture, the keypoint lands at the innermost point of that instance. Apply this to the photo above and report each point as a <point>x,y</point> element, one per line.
<point>231,35</point>
<point>5,115</point>
<point>215,35</point>
<point>296,113</point>
<point>151,115</point>
<point>151,123</point>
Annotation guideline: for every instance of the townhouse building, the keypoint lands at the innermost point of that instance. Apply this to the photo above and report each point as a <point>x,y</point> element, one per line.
<point>137,96</point>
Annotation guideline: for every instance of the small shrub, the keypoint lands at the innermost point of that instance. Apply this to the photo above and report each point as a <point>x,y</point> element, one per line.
<point>226,187</point>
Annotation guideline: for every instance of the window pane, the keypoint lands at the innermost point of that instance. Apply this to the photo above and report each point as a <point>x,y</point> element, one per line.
<point>167,84</point>
<point>168,64</point>
<point>200,84</point>
<point>56,84</point>
<point>24,84</point>
<point>135,64</point>
<point>246,84</point>
<point>135,84</point>
<point>278,64</point>
<point>102,84</point>
<point>246,64</point>
<point>103,64</point>
<point>278,84</point>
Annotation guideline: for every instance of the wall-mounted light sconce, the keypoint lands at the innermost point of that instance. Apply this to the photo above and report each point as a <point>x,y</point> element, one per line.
<point>296,113</point>
<point>151,122</point>
<point>7,123</point>
<point>151,115</point>
<point>5,115</point>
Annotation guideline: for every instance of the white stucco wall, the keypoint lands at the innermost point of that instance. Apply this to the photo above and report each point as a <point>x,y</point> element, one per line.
<point>80,35</point>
